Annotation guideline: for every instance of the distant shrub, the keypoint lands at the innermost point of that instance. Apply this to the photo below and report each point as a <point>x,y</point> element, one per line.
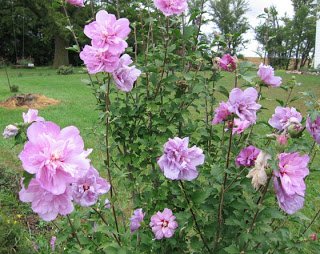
<point>14,89</point>
<point>65,70</point>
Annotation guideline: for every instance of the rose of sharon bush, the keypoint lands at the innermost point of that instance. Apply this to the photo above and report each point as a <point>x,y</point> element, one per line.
<point>171,7</point>
<point>125,75</point>
<point>55,156</point>
<point>180,162</point>
<point>266,74</point>
<point>289,181</point>
<point>163,224</point>
<point>32,116</point>
<point>109,33</point>
<point>221,113</point>
<point>314,128</point>
<point>78,3</point>
<point>87,189</point>
<point>44,203</point>
<point>136,219</point>
<point>228,63</point>
<point>247,156</point>
<point>283,117</point>
<point>243,103</point>
<point>99,60</point>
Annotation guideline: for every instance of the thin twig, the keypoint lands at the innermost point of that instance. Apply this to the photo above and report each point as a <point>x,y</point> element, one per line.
<point>313,220</point>
<point>74,233</point>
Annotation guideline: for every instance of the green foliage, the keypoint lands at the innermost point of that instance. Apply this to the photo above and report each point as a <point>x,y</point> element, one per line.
<point>65,70</point>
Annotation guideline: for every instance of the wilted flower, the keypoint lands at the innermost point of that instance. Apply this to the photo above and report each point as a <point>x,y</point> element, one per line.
<point>258,173</point>
<point>228,63</point>
<point>289,181</point>
<point>221,113</point>
<point>10,131</point>
<point>243,103</point>
<point>109,33</point>
<point>247,156</point>
<point>266,74</point>
<point>178,161</point>
<point>125,75</point>
<point>53,243</point>
<point>136,219</point>
<point>284,117</point>
<point>44,203</point>
<point>78,3</point>
<point>87,189</point>
<point>171,7</point>
<point>240,126</point>
<point>55,156</point>
<point>314,128</point>
<point>32,116</point>
<point>163,224</point>
<point>99,59</point>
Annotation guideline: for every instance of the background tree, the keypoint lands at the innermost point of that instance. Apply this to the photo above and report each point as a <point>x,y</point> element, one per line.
<point>229,18</point>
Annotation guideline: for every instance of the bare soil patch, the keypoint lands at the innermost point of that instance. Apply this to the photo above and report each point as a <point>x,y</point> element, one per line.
<point>35,101</point>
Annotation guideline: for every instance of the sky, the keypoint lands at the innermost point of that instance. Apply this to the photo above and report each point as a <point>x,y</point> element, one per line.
<point>256,8</point>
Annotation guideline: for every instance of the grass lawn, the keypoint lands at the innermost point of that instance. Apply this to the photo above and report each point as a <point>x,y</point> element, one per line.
<point>77,107</point>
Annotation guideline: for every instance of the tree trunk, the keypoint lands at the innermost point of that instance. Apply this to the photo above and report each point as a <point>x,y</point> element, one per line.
<point>61,56</point>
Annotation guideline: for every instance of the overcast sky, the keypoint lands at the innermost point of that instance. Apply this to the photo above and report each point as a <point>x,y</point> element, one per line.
<point>256,8</point>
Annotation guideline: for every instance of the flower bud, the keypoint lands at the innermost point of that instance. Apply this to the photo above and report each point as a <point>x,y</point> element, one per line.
<point>313,237</point>
<point>295,130</point>
<point>282,140</point>
<point>10,131</point>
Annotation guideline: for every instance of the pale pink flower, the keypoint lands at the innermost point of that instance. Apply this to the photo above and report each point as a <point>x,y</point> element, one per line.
<point>284,117</point>
<point>125,75</point>
<point>171,7</point>
<point>136,219</point>
<point>99,60</point>
<point>228,63</point>
<point>53,243</point>
<point>258,173</point>
<point>44,203</point>
<point>247,156</point>
<point>163,224</point>
<point>180,162</point>
<point>55,156</point>
<point>314,128</point>
<point>10,131</point>
<point>221,113</point>
<point>87,189</point>
<point>266,74</point>
<point>78,3</point>
<point>32,116</point>
<point>239,126</point>
<point>243,103</point>
<point>107,204</point>
<point>109,33</point>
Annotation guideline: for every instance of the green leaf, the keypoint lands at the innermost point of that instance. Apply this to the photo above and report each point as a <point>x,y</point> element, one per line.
<point>223,90</point>
<point>26,179</point>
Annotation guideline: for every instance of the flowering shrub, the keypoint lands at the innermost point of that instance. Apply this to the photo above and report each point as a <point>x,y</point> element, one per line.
<point>215,196</point>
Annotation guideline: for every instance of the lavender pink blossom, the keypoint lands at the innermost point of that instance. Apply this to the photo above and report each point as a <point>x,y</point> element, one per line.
<point>99,59</point>
<point>228,63</point>
<point>221,113</point>
<point>266,74</point>
<point>163,224</point>
<point>78,3</point>
<point>47,205</point>
<point>55,156</point>
<point>87,189</point>
<point>289,181</point>
<point>247,156</point>
<point>243,103</point>
<point>284,117</point>
<point>313,127</point>
<point>171,7</point>
<point>125,75</point>
<point>109,33</point>
<point>10,131</point>
<point>32,116</point>
<point>136,219</point>
<point>179,162</point>
<point>239,126</point>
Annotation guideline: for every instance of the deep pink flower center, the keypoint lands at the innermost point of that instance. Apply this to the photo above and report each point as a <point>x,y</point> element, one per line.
<point>165,223</point>
<point>86,187</point>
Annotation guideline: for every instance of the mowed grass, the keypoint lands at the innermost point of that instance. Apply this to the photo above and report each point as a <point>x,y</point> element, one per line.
<point>77,107</point>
